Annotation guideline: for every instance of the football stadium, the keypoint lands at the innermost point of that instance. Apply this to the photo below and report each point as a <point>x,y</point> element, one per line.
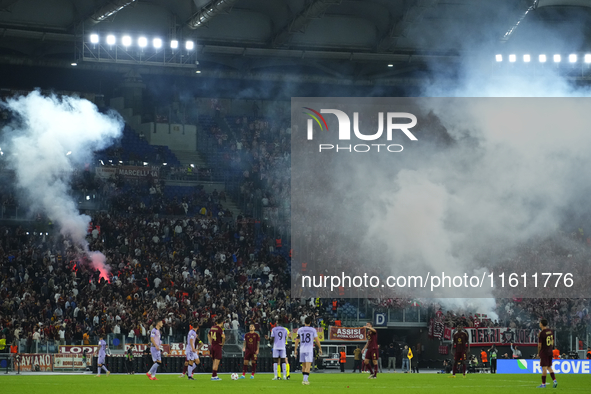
<point>295,195</point>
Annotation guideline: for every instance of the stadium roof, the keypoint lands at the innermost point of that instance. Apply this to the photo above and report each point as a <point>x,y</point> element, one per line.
<point>364,40</point>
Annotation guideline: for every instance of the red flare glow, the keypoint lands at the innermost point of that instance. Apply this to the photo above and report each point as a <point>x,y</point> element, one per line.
<point>97,260</point>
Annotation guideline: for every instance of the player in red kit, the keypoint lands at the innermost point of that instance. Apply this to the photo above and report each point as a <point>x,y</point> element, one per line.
<point>545,346</point>
<point>371,357</point>
<point>216,339</point>
<point>462,346</point>
<point>251,351</point>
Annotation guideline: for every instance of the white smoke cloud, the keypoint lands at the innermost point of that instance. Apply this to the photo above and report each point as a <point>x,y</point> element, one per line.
<point>514,172</point>
<point>45,129</point>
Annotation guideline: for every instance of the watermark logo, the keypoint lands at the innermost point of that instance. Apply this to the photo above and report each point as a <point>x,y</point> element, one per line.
<point>316,119</point>
<point>344,131</point>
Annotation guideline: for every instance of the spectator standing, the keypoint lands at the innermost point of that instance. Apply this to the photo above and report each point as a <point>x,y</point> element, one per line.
<point>392,357</point>
<point>357,360</point>
<point>516,351</point>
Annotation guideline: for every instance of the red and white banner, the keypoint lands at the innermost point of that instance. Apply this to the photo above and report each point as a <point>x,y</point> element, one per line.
<point>447,333</point>
<point>346,334</point>
<point>30,362</point>
<point>502,336</point>
<point>138,349</point>
<point>69,349</point>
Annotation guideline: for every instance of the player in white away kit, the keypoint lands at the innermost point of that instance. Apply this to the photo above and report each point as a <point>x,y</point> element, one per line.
<point>101,356</point>
<point>192,352</point>
<point>307,337</point>
<point>278,337</point>
<point>155,350</point>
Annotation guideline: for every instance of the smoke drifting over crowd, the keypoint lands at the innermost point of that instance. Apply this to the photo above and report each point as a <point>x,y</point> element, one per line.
<point>500,190</point>
<point>47,140</point>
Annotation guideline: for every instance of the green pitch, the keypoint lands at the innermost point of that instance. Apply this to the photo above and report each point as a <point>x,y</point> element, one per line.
<point>319,383</point>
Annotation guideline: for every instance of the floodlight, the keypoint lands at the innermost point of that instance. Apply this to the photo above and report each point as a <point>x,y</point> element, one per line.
<point>499,58</point>
<point>142,42</point>
<point>588,58</point>
<point>390,65</point>
<point>526,58</point>
<point>542,58</point>
<point>126,41</point>
<point>572,58</point>
<point>111,40</point>
<point>189,45</point>
<point>557,58</point>
<point>94,38</point>
<point>174,44</point>
<point>512,58</point>
<point>157,42</point>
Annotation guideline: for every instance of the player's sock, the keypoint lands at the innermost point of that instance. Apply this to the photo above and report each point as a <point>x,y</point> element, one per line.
<point>104,368</point>
<point>543,379</point>
<point>190,370</point>
<point>375,371</point>
<point>306,376</point>
<point>370,367</point>
<point>464,368</point>
<point>214,373</point>
<point>275,369</point>
<point>284,370</point>
<point>99,371</point>
<point>287,370</point>
<point>553,376</point>
<point>244,369</point>
<point>253,368</point>
<point>185,369</point>
<point>154,369</point>
<point>454,368</point>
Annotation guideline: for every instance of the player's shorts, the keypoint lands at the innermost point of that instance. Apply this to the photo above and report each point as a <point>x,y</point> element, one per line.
<point>192,356</point>
<point>545,359</point>
<point>156,355</point>
<point>307,357</point>
<point>101,360</point>
<point>215,353</point>
<point>278,353</point>
<point>250,356</point>
<point>460,356</point>
<point>371,354</point>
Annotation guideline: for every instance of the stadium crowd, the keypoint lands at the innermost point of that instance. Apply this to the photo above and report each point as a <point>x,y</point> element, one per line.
<point>187,259</point>
<point>186,269</point>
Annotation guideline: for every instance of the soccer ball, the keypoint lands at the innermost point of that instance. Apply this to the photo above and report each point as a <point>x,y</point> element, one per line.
<point>234,376</point>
